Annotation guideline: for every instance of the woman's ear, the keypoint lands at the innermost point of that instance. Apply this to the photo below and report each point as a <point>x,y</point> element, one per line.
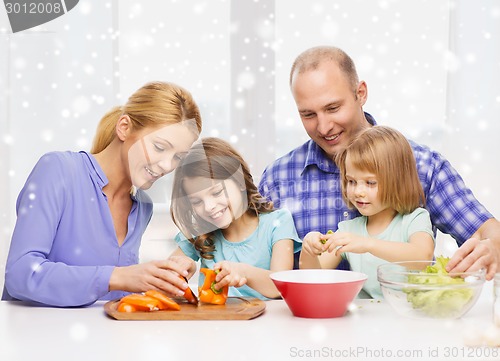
<point>123,127</point>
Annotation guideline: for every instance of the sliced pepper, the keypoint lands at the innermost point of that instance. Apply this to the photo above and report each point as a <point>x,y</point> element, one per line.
<point>208,293</point>
<point>142,302</point>
<point>166,302</point>
<point>126,307</point>
<point>188,294</point>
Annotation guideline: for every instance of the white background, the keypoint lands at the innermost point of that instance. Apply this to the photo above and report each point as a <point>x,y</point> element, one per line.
<point>432,68</point>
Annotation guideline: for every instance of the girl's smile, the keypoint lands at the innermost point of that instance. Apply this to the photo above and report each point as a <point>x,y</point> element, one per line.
<point>362,204</point>
<point>219,214</point>
<point>217,202</point>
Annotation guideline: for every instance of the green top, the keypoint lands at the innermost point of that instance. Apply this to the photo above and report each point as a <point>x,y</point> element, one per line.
<point>399,230</point>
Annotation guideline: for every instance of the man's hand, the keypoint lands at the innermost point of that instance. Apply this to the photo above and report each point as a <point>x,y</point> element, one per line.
<point>475,254</point>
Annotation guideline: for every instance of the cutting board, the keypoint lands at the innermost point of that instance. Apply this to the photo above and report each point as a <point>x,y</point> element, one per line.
<point>236,308</point>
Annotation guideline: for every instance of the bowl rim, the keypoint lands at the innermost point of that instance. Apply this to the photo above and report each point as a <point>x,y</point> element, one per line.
<point>430,287</point>
<point>479,276</point>
<point>360,276</point>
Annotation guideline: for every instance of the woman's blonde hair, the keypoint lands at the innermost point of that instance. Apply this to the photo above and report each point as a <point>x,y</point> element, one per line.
<point>211,158</point>
<point>387,154</point>
<point>153,105</point>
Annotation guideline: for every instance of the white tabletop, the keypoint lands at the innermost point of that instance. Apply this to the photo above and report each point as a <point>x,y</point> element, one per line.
<point>371,331</point>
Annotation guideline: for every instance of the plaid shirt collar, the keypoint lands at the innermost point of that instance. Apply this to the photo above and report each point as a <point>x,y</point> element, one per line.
<point>316,156</point>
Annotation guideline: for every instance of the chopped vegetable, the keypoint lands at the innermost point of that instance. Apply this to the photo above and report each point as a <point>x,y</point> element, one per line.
<point>126,307</point>
<point>142,302</point>
<point>323,241</point>
<point>152,300</point>
<point>438,302</point>
<point>189,295</point>
<point>208,293</point>
<point>167,302</point>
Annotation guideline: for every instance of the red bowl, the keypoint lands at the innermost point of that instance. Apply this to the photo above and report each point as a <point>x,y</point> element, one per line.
<point>318,293</point>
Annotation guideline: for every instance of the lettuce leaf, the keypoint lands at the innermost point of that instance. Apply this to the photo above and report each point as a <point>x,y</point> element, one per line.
<point>438,302</point>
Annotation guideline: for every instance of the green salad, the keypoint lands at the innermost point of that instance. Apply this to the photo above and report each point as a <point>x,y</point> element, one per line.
<point>438,303</point>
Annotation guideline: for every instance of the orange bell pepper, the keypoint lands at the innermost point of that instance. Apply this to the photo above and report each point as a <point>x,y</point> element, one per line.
<point>166,302</point>
<point>126,307</point>
<point>208,293</point>
<point>188,294</point>
<point>152,300</point>
<point>142,302</point>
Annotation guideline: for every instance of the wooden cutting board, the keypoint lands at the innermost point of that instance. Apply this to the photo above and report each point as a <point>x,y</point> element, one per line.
<point>236,308</point>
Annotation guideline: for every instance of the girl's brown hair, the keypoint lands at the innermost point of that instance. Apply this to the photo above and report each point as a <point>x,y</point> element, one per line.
<point>386,153</point>
<point>153,105</point>
<point>211,158</point>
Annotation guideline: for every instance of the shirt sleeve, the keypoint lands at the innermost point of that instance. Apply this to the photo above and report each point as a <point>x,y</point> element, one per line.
<point>30,274</point>
<point>186,247</point>
<point>418,221</point>
<point>452,206</point>
<point>284,228</point>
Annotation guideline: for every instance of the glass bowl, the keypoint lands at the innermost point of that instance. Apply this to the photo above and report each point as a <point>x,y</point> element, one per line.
<point>415,293</point>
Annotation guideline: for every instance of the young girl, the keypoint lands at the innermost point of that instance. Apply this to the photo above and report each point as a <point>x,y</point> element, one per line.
<point>226,222</point>
<point>379,178</point>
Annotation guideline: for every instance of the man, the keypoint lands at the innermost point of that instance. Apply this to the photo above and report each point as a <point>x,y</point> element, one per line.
<point>330,101</point>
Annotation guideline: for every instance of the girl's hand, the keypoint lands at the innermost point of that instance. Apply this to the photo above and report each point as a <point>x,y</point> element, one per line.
<point>157,275</point>
<point>315,243</point>
<point>341,242</point>
<point>231,274</point>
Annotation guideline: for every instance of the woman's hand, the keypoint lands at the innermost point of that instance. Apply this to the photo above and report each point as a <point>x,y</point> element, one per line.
<point>230,273</point>
<point>184,263</point>
<point>158,275</point>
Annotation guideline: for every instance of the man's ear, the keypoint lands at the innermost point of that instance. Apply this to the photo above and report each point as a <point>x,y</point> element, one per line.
<point>123,127</point>
<point>362,92</point>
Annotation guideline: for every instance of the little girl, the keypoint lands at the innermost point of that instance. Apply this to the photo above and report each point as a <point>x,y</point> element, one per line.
<point>226,223</point>
<point>379,178</point>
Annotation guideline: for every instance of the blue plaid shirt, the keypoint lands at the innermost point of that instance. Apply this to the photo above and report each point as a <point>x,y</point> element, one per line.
<point>307,182</point>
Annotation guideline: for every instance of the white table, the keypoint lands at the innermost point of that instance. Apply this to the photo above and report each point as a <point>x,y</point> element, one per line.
<point>371,331</point>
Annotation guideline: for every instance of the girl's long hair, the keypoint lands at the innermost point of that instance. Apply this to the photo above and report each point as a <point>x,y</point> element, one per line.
<point>211,158</point>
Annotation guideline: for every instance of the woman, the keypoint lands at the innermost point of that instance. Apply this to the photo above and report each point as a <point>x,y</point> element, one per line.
<point>80,216</point>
